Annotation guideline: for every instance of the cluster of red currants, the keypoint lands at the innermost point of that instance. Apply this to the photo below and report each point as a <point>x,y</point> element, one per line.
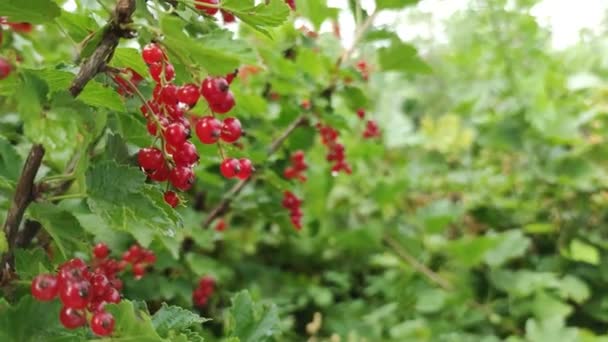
<point>79,288</point>
<point>20,27</point>
<point>211,8</point>
<point>336,154</point>
<point>139,258</point>
<point>210,130</point>
<point>166,120</point>
<point>371,127</point>
<point>298,166</point>
<point>293,204</point>
<point>205,289</point>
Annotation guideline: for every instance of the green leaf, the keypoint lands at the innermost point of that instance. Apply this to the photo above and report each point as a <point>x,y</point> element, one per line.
<point>10,161</point>
<point>402,57</point>
<point>129,58</point>
<point>32,11</point>
<point>17,322</point>
<point>581,251</point>
<point>95,94</point>
<point>316,11</point>
<point>174,318</point>
<point>251,324</point>
<point>132,324</point>
<point>118,194</point>
<point>77,25</point>
<point>512,244</point>
<point>63,227</point>
<point>217,52</point>
<point>31,262</point>
<point>394,4</point>
<point>271,14</point>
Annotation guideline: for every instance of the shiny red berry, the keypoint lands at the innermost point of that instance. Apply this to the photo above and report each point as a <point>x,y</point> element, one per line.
<point>99,284</point>
<point>231,130</point>
<point>171,198</point>
<point>208,129</point>
<point>245,168</point>
<point>44,287</point>
<point>102,323</point>
<point>185,155</point>
<point>224,104</point>
<point>168,94</point>
<point>111,295</point>
<point>214,89</point>
<point>292,4</point>
<point>228,17</point>
<point>21,27</point>
<point>72,318</point>
<point>101,250</point>
<point>182,178</point>
<point>139,270</point>
<point>150,158</point>
<point>220,226</point>
<point>5,68</point>
<point>200,5</point>
<point>175,134</point>
<point>76,294</point>
<point>152,53</point>
<point>230,167</point>
<point>361,113</point>
<point>157,68</point>
<point>161,174</point>
<point>188,94</point>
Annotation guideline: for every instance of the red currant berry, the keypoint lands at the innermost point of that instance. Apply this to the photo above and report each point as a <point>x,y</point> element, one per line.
<point>100,284</point>
<point>214,89</point>
<point>292,4</point>
<point>161,174</point>
<point>175,134</point>
<point>112,295</point>
<point>171,198</point>
<point>246,168</point>
<point>290,172</point>
<point>5,68</point>
<point>72,318</point>
<point>101,250</point>
<point>221,225</point>
<point>188,94</point>
<point>148,256</point>
<point>152,53</point>
<point>21,27</point>
<point>200,5</point>
<point>185,155</point>
<point>208,129</point>
<point>139,270</point>
<point>361,113</point>
<point>102,323</point>
<point>152,105</point>
<point>44,287</point>
<point>96,305</point>
<point>168,94</point>
<point>76,294</point>
<point>224,105</point>
<point>150,158</point>
<point>181,178</point>
<point>230,167</point>
<point>231,130</point>
<point>175,112</point>
<point>157,68</point>
<point>228,18</point>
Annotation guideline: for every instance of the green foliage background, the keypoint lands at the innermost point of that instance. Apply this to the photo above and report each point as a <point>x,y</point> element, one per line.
<point>480,215</point>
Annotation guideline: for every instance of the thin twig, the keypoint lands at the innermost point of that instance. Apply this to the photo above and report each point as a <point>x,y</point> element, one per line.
<point>417,265</point>
<point>238,187</point>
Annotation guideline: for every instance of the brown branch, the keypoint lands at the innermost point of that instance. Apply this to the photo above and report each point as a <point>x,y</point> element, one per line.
<point>24,194</point>
<point>221,208</point>
<point>417,265</point>
<point>117,28</point>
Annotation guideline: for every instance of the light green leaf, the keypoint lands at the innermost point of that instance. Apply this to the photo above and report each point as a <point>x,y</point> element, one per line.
<point>584,252</point>
<point>512,244</point>
<point>129,58</point>
<point>63,227</point>
<point>394,4</point>
<point>271,14</point>
<point>174,318</point>
<point>316,11</point>
<point>132,324</point>
<point>402,57</point>
<point>95,94</point>
<point>32,11</point>
<point>251,324</point>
